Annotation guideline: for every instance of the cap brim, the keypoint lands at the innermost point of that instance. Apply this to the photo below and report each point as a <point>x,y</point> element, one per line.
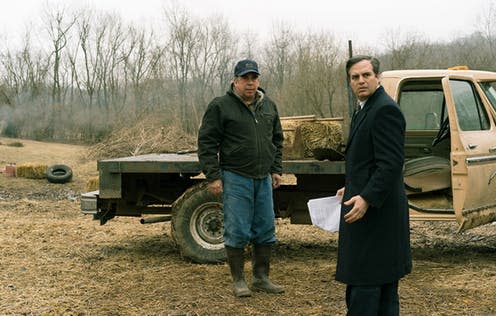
<point>244,72</point>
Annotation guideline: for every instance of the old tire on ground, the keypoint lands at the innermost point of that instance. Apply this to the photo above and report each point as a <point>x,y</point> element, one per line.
<point>59,174</point>
<point>198,225</point>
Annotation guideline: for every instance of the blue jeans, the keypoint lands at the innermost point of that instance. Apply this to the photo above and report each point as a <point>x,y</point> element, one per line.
<point>248,210</point>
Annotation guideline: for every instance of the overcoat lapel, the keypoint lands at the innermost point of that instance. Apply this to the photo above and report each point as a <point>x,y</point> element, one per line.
<point>356,122</point>
<point>362,114</point>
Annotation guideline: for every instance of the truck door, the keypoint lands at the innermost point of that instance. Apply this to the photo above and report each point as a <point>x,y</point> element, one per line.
<point>473,153</point>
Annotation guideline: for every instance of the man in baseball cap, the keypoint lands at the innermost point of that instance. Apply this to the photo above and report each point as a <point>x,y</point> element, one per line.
<point>240,152</point>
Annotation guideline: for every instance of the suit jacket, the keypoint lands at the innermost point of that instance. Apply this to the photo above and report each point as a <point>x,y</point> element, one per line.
<point>375,249</point>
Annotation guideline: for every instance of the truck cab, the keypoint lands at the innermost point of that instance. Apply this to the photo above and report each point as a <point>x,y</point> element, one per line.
<point>450,145</point>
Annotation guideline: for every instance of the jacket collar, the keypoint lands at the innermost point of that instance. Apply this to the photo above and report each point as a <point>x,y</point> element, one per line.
<point>258,97</point>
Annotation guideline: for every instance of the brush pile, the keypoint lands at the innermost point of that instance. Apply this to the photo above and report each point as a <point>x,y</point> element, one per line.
<point>145,137</point>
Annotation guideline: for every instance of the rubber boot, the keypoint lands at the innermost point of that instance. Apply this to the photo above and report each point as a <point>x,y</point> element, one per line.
<point>236,261</point>
<point>261,267</point>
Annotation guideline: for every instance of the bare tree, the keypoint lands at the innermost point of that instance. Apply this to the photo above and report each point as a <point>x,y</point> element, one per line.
<point>308,73</point>
<point>139,60</point>
<point>213,54</point>
<point>25,65</point>
<point>278,53</point>
<point>318,60</point>
<point>487,29</point>
<point>181,44</point>
<point>406,50</point>
<point>249,44</point>
<point>58,30</point>
<point>84,65</point>
<point>110,37</point>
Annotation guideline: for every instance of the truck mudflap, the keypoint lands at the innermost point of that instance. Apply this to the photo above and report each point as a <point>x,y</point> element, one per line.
<point>89,202</point>
<point>477,216</point>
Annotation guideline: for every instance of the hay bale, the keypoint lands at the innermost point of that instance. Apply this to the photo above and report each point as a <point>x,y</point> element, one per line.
<point>289,125</point>
<point>31,170</point>
<point>311,138</point>
<point>93,184</point>
<point>291,122</point>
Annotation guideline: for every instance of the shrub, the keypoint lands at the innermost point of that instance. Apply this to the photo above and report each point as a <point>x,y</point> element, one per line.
<point>15,144</point>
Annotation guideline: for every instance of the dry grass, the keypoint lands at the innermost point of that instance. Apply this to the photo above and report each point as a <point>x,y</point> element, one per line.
<point>56,261</point>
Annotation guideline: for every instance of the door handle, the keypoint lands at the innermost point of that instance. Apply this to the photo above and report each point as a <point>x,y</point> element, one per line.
<point>472,146</point>
<point>492,149</point>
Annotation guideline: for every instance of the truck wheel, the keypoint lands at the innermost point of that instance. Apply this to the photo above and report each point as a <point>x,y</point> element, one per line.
<point>198,225</point>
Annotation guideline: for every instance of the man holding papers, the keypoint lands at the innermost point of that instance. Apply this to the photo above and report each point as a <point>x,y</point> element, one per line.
<point>374,241</point>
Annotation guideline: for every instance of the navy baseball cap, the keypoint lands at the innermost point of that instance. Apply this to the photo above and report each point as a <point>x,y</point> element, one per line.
<point>245,66</point>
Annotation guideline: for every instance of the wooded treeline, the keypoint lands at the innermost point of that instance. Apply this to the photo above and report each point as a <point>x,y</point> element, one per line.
<point>80,75</point>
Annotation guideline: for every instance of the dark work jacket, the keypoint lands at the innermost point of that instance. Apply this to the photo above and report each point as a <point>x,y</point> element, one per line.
<point>234,138</point>
<point>375,249</point>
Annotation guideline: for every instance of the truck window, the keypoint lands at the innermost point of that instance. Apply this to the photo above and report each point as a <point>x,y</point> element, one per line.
<point>422,109</point>
<point>469,109</point>
<point>490,91</point>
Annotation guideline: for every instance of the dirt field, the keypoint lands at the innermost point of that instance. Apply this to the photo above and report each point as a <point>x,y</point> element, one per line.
<point>56,261</point>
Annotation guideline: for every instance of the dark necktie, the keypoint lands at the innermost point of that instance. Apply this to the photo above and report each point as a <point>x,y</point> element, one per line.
<point>355,114</point>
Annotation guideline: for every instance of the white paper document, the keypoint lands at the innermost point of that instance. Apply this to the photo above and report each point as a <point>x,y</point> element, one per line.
<point>325,212</point>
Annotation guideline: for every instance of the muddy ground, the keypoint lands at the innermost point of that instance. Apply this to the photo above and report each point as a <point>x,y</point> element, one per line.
<point>56,261</point>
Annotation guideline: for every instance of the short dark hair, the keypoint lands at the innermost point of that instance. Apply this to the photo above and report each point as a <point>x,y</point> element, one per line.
<point>358,58</point>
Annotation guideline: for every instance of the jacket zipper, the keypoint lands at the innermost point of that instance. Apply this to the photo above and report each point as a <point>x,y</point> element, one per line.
<point>258,139</point>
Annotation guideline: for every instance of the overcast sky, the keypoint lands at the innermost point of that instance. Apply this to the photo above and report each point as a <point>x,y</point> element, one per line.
<point>364,22</point>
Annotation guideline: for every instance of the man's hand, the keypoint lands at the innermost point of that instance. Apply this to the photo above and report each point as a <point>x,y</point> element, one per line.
<point>276,180</point>
<point>360,207</point>
<point>215,187</point>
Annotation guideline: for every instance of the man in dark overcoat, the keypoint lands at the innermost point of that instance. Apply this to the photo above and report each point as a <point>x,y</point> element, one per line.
<point>374,238</point>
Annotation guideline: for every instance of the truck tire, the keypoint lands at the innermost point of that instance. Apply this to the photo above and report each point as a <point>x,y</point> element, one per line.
<point>198,225</point>
<point>59,174</point>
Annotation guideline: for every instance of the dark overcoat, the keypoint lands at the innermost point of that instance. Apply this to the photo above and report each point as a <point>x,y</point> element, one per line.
<point>375,249</point>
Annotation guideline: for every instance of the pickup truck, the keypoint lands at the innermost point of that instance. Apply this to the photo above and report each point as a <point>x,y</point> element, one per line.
<point>450,168</point>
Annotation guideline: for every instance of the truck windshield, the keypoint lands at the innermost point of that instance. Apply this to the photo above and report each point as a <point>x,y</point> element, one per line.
<point>489,88</point>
